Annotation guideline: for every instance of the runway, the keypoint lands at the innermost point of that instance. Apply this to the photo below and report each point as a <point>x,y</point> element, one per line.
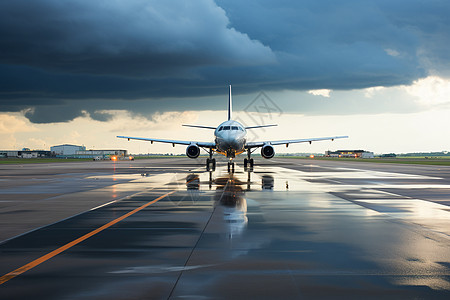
<point>167,229</point>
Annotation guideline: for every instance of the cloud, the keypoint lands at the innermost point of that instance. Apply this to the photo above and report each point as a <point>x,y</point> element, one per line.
<point>125,38</point>
<point>73,57</point>
<point>430,91</point>
<point>392,52</point>
<point>12,123</point>
<point>123,120</point>
<point>323,92</point>
<point>43,113</point>
<point>370,92</point>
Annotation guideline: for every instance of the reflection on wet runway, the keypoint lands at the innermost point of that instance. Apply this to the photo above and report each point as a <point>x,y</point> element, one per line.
<point>377,236</point>
<point>315,232</point>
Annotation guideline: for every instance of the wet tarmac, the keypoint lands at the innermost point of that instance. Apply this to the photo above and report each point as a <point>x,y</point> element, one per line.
<point>167,229</point>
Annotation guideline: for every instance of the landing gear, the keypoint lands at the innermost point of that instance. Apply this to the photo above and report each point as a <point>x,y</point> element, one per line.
<point>210,162</point>
<point>248,162</point>
<point>230,167</point>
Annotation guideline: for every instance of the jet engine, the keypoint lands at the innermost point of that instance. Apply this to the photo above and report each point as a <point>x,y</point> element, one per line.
<point>267,151</point>
<point>192,151</point>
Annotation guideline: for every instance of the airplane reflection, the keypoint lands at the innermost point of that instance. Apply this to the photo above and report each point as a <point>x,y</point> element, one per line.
<point>193,182</point>
<point>267,182</point>
<point>230,196</point>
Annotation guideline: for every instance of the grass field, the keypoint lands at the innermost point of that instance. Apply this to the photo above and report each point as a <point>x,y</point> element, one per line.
<point>158,156</point>
<point>40,160</point>
<point>444,161</point>
<point>64,160</point>
<point>438,161</point>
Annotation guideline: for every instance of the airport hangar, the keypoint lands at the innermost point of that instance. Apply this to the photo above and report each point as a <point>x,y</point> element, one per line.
<point>75,151</point>
<point>350,153</point>
<point>65,151</point>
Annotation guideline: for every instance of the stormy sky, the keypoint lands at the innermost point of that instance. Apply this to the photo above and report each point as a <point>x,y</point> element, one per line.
<point>62,59</point>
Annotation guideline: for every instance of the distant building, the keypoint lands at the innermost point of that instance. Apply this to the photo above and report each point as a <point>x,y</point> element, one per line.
<point>389,155</point>
<point>66,149</point>
<point>26,153</point>
<point>350,154</point>
<point>101,154</point>
<point>9,153</point>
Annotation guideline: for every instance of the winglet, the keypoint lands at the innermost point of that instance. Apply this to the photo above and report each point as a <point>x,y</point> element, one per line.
<point>230,108</point>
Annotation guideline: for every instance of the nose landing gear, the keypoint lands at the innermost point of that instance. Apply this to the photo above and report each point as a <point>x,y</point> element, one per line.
<point>231,167</point>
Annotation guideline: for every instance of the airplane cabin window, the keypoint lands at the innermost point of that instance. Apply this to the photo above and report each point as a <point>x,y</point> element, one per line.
<point>226,127</point>
<point>234,128</point>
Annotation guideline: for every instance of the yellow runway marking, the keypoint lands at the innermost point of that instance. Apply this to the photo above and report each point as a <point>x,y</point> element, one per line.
<point>48,256</point>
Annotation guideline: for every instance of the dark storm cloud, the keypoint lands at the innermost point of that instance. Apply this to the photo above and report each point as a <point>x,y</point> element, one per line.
<point>63,57</point>
<point>124,38</point>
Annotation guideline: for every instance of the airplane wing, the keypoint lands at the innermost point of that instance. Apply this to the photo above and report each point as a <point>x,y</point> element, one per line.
<point>260,126</point>
<point>199,126</point>
<point>173,142</point>
<point>287,142</point>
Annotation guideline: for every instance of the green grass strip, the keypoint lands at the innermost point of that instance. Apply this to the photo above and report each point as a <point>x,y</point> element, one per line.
<point>408,161</point>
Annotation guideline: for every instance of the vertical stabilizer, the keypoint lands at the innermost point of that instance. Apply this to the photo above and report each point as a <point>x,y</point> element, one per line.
<point>230,105</point>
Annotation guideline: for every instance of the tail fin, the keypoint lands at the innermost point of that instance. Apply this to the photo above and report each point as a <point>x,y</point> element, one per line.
<point>230,108</point>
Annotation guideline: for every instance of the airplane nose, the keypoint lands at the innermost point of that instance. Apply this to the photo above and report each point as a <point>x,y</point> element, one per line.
<point>227,142</point>
<point>231,142</point>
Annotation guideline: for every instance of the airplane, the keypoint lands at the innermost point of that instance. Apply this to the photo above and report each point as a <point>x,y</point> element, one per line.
<point>230,141</point>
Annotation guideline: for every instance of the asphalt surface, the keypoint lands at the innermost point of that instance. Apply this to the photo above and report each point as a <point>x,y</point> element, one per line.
<point>167,229</point>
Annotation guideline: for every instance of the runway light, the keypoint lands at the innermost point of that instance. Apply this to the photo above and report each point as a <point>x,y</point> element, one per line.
<point>130,157</point>
<point>311,156</point>
<point>114,158</point>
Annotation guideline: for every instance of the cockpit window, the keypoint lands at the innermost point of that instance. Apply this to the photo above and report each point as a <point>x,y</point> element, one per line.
<point>221,128</point>
<point>226,127</point>
<point>241,129</point>
<point>234,128</point>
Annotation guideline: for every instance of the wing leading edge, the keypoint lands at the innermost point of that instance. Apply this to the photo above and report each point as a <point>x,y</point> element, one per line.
<point>173,142</point>
<point>260,126</point>
<point>287,142</point>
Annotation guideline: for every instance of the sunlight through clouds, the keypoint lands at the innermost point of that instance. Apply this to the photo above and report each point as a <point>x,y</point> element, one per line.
<point>432,90</point>
<point>369,92</point>
<point>373,71</point>
<point>15,122</point>
<point>11,124</point>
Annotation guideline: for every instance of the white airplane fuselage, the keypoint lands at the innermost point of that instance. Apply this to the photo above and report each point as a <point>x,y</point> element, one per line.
<point>230,138</point>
